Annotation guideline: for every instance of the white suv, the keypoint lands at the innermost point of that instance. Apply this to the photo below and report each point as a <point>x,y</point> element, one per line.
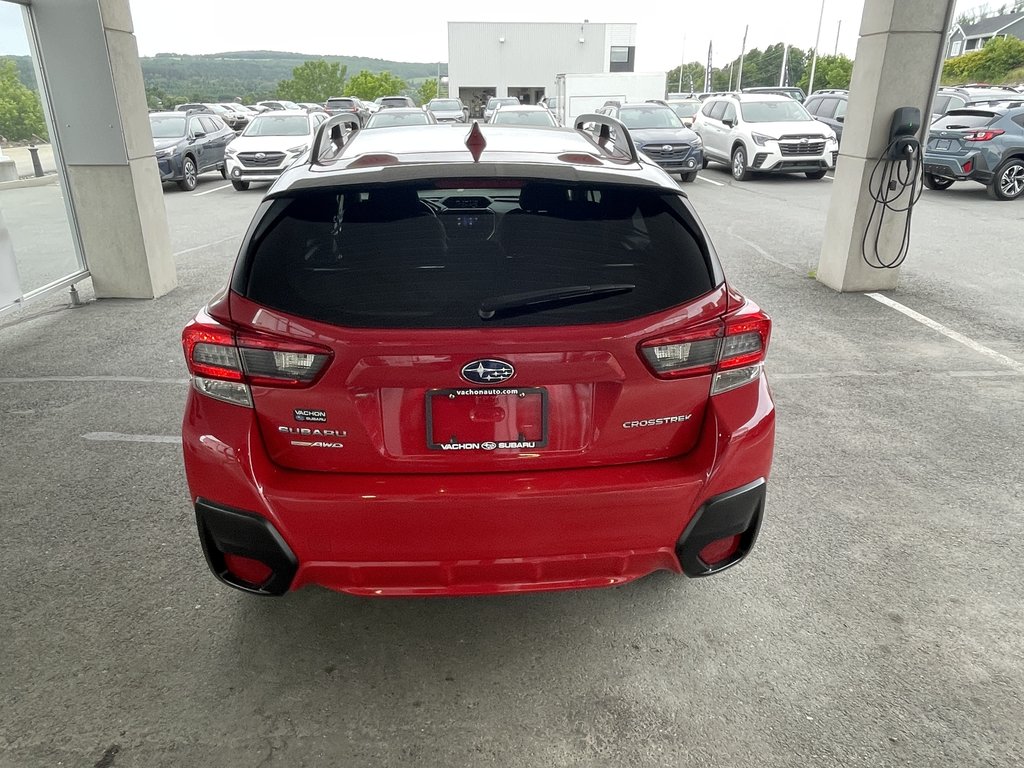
<point>762,133</point>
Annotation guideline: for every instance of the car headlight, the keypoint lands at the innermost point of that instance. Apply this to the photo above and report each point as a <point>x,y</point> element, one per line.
<point>697,141</point>
<point>298,149</point>
<point>167,151</point>
<point>761,139</point>
<point>230,151</point>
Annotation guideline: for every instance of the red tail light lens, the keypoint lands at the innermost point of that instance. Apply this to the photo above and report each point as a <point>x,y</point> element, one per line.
<point>739,341</point>
<point>216,355</point>
<point>982,135</point>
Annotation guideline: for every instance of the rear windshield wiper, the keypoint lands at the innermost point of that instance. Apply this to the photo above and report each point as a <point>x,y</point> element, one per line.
<point>518,303</point>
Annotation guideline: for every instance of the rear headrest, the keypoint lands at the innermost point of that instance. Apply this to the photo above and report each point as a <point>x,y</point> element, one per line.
<point>540,197</point>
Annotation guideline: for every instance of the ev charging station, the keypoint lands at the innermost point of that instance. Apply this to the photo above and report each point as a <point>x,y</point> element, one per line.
<point>878,178</point>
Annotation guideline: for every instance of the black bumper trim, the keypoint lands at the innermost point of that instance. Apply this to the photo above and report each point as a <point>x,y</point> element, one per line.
<point>224,530</point>
<point>736,512</point>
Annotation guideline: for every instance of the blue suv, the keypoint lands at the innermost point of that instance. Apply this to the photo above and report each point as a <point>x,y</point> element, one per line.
<point>660,134</point>
<point>981,142</point>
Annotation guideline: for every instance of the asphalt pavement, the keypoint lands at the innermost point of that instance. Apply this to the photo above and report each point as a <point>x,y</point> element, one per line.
<point>879,621</point>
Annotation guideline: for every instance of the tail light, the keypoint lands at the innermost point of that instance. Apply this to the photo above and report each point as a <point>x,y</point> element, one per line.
<point>225,362</point>
<point>733,349</point>
<point>982,135</point>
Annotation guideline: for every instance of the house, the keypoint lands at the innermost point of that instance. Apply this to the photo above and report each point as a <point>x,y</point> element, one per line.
<point>965,38</point>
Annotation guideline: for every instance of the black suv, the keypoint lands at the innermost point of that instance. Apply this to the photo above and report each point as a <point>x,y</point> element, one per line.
<point>983,143</point>
<point>187,144</point>
<point>660,134</point>
<point>829,107</point>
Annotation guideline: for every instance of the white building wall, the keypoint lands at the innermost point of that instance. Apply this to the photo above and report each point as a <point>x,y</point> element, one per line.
<point>531,54</point>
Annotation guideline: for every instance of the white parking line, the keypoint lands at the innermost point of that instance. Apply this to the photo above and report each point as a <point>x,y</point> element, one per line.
<point>118,437</point>
<point>205,245</point>
<point>208,191</point>
<point>830,178</point>
<point>709,181</point>
<point>981,349</point>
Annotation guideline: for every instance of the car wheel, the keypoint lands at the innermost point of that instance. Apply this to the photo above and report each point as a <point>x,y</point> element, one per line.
<point>689,177</point>
<point>937,182</point>
<point>815,174</point>
<point>739,164</point>
<point>223,171</point>
<point>240,186</point>
<point>190,174</point>
<point>1008,180</point>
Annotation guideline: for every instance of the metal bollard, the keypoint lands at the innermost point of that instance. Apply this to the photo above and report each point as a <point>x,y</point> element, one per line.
<point>36,165</point>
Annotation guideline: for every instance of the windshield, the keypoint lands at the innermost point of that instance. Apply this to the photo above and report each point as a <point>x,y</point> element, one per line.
<point>787,111</point>
<point>445,104</point>
<point>491,104</point>
<point>685,109</point>
<point>387,119</point>
<point>278,125</point>
<point>169,127</point>
<point>523,117</point>
<point>649,117</point>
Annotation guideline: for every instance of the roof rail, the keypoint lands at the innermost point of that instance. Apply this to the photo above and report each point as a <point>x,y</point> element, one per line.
<point>604,136</point>
<point>338,136</point>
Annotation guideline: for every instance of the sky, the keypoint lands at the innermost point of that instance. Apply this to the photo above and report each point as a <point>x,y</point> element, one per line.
<point>666,32</point>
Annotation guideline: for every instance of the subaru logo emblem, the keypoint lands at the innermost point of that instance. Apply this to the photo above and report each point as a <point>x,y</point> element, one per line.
<point>488,371</point>
<point>802,141</point>
<point>261,155</point>
<point>666,148</point>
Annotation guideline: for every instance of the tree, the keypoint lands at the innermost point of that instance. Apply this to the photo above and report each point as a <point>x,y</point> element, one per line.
<point>693,78</point>
<point>314,81</point>
<point>830,72</point>
<point>996,62</point>
<point>21,114</point>
<point>368,85</point>
<point>427,91</point>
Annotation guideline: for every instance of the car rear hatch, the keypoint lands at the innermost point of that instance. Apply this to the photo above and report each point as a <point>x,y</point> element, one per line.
<point>542,327</point>
<point>961,132</point>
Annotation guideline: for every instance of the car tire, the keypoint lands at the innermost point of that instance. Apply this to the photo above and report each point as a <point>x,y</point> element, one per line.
<point>689,177</point>
<point>189,174</point>
<point>938,183</point>
<point>224,172</point>
<point>1008,180</point>
<point>240,186</point>
<point>704,164</point>
<point>739,168</point>
<point>815,174</point>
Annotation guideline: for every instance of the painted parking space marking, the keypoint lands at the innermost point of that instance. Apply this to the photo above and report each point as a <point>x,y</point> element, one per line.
<point>204,245</point>
<point>968,342</point>
<point>709,181</point>
<point>119,437</point>
<point>208,191</point>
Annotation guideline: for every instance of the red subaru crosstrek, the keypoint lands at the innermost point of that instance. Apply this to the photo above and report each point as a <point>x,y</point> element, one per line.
<point>465,360</point>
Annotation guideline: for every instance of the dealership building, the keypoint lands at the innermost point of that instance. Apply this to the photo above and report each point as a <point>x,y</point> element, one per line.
<point>521,59</point>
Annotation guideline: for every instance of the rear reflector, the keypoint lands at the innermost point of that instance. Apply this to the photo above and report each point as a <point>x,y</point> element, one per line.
<point>246,569</point>
<point>720,550</point>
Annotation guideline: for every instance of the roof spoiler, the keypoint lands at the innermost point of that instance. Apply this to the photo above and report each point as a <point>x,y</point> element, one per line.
<point>622,141</point>
<point>332,130</point>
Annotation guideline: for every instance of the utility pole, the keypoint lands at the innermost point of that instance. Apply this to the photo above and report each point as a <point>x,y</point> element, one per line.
<point>785,60</point>
<point>743,51</point>
<point>814,59</point>
<point>730,74</point>
<point>682,63</point>
<point>707,71</point>
<point>839,26</point>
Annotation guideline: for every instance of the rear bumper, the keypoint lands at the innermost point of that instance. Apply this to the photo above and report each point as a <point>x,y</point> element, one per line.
<point>464,534</point>
<point>953,167</point>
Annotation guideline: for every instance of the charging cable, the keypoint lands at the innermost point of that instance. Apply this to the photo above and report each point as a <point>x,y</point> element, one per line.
<point>890,180</point>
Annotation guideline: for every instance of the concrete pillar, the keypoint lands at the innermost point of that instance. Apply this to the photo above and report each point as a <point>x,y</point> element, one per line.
<point>89,60</point>
<point>899,57</point>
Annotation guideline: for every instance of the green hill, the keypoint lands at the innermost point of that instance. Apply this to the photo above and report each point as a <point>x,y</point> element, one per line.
<point>249,75</point>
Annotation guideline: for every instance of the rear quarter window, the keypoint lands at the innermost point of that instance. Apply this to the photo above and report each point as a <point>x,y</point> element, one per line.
<point>397,257</point>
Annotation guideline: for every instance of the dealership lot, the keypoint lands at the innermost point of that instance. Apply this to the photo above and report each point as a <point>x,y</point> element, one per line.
<point>877,623</point>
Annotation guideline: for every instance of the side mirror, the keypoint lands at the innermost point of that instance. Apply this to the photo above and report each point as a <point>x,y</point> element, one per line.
<point>841,119</point>
<point>199,135</point>
<point>728,121</point>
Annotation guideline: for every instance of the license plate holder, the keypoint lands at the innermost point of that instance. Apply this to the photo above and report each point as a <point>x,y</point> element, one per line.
<point>943,145</point>
<point>478,419</point>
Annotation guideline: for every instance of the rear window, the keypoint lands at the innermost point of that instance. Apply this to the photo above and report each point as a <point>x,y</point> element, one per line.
<point>341,103</point>
<point>418,256</point>
<point>965,118</point>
